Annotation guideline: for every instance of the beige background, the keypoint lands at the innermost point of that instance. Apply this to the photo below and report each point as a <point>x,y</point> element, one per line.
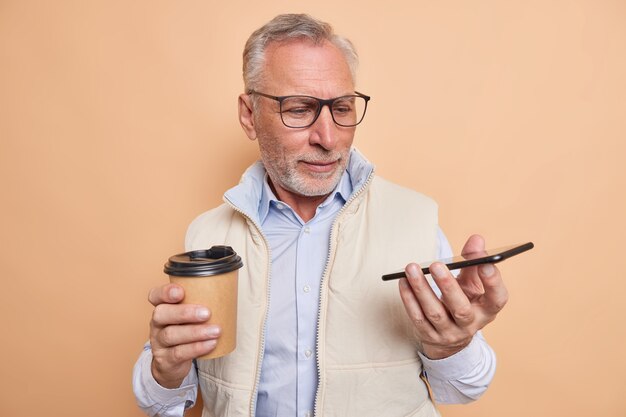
<point>118,126</point>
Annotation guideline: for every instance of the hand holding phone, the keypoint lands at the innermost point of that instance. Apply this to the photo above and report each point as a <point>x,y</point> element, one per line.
<point>462,261</point>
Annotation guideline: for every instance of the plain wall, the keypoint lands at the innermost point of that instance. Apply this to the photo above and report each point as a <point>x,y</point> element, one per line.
<point>118,125</point>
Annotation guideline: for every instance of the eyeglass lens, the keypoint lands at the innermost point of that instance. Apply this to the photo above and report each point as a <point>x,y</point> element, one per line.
<point>298,111</point>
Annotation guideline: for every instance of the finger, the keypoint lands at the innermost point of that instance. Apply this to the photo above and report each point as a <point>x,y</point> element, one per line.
<point>470,283</point>
<point>452,295</point>
<point>414,311</point>
<point>496,295</point>
<point>468,278</point>
<point>168,314</point>
<point>475,243</point>
<point>168,293</point>
<point>183,353</point>
<point>432,307</point>
<point>183,334</point>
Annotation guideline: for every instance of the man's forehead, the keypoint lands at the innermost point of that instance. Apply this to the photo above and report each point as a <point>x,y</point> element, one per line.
<point>302,58</point>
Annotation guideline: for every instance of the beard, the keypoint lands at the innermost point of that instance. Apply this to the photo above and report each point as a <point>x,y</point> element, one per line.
<point>286,171</point>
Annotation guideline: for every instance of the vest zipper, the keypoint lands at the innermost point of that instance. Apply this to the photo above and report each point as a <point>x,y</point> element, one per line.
<point>257,378</point>
<point>322,304</point>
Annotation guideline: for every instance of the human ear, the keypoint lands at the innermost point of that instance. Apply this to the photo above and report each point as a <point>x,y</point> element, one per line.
<point>246,118</point>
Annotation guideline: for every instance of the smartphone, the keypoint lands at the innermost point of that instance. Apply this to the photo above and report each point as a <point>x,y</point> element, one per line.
<point>489,256</point>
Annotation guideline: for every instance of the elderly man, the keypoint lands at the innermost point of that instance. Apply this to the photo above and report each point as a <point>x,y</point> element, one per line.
<point>319,332</point>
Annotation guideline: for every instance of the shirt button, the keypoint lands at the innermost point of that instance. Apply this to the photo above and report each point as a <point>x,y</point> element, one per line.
<point>308,414</point>
<point>306,288</point>
<point>279,206</point>
<point>307,229</point>
<point>308,353</point>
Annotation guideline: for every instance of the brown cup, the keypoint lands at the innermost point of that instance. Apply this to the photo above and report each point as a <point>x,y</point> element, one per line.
<point>209,278</point>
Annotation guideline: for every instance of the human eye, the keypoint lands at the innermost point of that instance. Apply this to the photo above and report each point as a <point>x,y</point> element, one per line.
<point>343,106</point>
<point>299,107</point>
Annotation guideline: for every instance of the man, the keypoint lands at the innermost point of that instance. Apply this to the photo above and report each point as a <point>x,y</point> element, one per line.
<point>319,332</point>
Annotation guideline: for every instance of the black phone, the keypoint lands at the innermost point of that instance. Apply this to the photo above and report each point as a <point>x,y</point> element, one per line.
<point>462,261</point>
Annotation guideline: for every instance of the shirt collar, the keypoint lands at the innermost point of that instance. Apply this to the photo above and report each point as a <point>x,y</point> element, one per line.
<point>343,190</point>
<point>248,196</point>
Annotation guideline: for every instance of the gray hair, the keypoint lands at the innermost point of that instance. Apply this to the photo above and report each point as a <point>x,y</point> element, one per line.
<point>286,27</point>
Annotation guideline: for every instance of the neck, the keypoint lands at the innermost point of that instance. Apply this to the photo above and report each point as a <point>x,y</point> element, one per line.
<point>304,206</point>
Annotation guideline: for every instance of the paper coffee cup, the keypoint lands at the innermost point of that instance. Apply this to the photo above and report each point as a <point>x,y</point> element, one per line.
<point>209,278</point>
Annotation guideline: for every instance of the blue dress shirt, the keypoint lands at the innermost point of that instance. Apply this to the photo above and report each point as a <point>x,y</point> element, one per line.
<point>299,251</point>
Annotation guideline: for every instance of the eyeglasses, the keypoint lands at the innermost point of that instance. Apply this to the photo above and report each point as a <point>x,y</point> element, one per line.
<point>302,111</point>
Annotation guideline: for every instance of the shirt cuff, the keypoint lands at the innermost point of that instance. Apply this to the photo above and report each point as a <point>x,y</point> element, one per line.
<point>157,397</point>
<point>458,365</point>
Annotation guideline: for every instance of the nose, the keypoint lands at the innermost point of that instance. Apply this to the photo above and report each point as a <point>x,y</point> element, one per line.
<point>324,130</point>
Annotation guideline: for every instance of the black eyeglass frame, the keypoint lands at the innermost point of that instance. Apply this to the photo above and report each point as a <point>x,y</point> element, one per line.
<point>329,102</point>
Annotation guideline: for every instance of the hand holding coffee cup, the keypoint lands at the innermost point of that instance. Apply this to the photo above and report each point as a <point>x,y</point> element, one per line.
<point>179,333</point>
<point>189,319</point>
<point>209,278</point>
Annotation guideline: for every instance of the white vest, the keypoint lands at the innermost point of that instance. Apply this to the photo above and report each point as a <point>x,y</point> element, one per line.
<point>367,350</point>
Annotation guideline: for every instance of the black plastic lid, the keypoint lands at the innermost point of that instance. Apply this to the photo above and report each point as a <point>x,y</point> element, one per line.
<point>202,263</point>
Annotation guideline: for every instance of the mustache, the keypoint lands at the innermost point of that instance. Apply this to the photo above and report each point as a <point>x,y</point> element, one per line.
<point>323,157</point>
